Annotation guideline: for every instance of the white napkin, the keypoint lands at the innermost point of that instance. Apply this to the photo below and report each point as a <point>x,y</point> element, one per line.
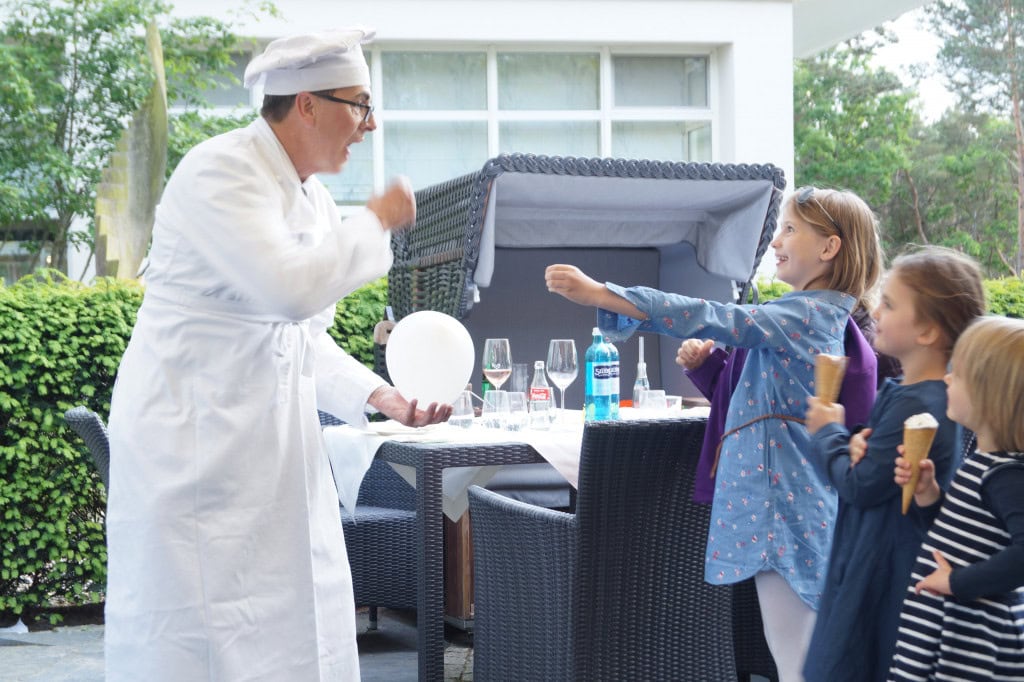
<point>351,452</point>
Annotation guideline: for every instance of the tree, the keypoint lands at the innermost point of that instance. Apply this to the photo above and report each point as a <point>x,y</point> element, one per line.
<point>958,190</point>
<point>981,58</point>
<point>851,123</point>
<point>72,73</point>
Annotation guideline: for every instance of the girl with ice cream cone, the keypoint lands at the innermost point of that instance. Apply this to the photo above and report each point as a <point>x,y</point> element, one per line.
<point>772,512</point>
<point>963,614</point>
<point>928,298</point>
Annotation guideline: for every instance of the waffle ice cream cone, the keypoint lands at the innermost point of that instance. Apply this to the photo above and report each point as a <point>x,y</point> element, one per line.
<point>918,434</point>
<point>828,376</point>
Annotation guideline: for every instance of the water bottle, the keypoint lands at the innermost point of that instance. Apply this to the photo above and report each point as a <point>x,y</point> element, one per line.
<point>601,389</point>
<point>541,412</point>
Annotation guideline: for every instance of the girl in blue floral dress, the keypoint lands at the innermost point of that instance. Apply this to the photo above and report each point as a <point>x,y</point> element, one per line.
<point>773,511</point>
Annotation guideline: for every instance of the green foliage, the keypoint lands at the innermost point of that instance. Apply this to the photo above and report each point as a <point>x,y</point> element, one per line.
<point>770,289</point>
<point>983,61</point>
<point>60,346</point>
<point>851,123</point>
<point>355,318</point>
<point>72,73</point>
<point>1005,296</point>
<point>959,190</point>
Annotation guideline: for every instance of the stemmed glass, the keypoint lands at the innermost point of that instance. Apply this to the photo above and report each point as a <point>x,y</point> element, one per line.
<point>497,361</point>
<point>562,367</point>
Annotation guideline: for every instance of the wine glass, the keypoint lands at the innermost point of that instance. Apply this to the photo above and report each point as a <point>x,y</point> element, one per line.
<point>562,366</point>
<point>497,361</point>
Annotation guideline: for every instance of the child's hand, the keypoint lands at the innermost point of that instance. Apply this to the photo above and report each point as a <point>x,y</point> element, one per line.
<point>819,414</point>
<point>693,353</point>
<point>937,582</point>
<point>927,491</point>
<point>859,446</point>
<point>569,281</point>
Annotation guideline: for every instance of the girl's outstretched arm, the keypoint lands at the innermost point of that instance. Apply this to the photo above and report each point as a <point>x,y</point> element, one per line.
<point>572,283</point>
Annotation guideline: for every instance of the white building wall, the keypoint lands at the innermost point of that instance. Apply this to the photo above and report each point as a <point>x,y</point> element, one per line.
<point>750,43</point>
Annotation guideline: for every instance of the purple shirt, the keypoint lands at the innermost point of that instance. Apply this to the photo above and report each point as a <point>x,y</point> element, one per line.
<point>718,376</point>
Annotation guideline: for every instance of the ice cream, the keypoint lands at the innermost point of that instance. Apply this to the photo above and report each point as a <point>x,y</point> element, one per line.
<point>918,434</point>
<point>828,376</point>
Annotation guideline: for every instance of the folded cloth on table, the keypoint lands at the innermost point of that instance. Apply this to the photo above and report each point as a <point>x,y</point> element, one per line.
<point>351,451</point>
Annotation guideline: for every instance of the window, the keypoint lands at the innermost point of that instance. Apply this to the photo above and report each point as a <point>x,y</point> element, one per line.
<point>443,113</point>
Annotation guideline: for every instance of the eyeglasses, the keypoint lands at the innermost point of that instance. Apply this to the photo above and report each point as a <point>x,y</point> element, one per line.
<point>358,105</point>
<point>807,194</point>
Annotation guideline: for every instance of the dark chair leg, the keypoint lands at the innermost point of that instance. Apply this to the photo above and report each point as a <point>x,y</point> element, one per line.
<point>373,618</point>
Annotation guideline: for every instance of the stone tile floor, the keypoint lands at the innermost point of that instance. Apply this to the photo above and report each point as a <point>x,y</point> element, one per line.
<point>75,653</point>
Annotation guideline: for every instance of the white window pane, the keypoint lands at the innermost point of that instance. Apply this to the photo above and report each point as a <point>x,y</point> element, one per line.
<point>354,184</point>
<point>662,141</point>
<point>553,138</point>
<point>661,81</point>
<point>435,80</point>
<point>548,81</point>
<point>432,152</point>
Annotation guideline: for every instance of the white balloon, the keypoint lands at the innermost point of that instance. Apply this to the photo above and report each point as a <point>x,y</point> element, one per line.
<point>430,357</point>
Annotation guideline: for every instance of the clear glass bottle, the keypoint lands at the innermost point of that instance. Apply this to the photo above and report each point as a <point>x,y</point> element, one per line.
<point>641,384</point>
<point>541,407</point>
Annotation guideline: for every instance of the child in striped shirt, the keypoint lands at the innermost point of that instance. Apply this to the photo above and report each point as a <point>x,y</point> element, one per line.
<point>963,616</point>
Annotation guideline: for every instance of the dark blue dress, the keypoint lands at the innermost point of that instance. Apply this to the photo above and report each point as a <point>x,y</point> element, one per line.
<point>874,546</point>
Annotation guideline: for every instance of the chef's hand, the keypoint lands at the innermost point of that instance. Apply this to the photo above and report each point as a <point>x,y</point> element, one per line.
<point>693,353</point>
<point>393,405</point>
<point>396,208</point>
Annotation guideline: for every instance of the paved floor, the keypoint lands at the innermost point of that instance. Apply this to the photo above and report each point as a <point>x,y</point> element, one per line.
<point>75,654</point>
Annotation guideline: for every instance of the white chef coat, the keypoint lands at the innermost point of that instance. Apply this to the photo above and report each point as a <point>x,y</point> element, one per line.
<point>226,554</point>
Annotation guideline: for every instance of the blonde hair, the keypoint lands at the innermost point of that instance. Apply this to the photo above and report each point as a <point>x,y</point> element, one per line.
<point>947,288</point>
<point>841,213</point>
<point>989,358</point>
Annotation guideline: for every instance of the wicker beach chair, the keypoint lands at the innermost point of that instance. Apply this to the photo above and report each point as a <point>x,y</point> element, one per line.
<point>615,591</point>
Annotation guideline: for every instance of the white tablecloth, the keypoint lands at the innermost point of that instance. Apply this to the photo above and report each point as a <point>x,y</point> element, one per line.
<point>352,450</point>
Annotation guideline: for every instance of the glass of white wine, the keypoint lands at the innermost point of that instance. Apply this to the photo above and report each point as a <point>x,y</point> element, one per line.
<point>562,365</point>
<point>497,361</point>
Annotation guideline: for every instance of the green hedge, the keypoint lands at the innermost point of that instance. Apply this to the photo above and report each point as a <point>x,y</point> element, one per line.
<point>1004,296</point>
<point>60,345</point>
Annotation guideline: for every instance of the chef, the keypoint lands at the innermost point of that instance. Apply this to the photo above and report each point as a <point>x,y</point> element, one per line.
<point>226,555</point>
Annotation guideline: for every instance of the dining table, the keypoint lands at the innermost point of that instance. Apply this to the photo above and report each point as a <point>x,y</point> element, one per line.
<point>441,462</point>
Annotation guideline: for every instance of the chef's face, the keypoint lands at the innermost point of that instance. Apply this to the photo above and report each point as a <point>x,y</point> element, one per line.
<point>341,125</point>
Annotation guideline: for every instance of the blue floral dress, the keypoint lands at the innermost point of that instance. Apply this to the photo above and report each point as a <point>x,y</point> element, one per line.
<point>773,508</point>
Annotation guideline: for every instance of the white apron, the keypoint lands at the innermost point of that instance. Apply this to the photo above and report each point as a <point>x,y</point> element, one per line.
<point>226,554</point>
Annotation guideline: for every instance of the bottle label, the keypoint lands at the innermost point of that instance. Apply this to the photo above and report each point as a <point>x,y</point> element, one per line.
<point>605,378</point>
<point>540,393</point>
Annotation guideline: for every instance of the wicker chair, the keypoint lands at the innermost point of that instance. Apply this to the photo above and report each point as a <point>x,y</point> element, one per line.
<point>615,591</point>
<point>380,537</point>
<point>93,431</point>
<point>434,264</point>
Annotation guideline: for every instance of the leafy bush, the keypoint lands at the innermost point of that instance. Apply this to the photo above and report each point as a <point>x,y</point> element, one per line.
<point>60,346</point>
<point>1005,296</point>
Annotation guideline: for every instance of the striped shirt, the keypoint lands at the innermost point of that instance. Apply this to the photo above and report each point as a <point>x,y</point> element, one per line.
<point>946,638</point>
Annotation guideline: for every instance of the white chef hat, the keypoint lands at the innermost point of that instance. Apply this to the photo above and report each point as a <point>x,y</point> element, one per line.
<point>311,62</point>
